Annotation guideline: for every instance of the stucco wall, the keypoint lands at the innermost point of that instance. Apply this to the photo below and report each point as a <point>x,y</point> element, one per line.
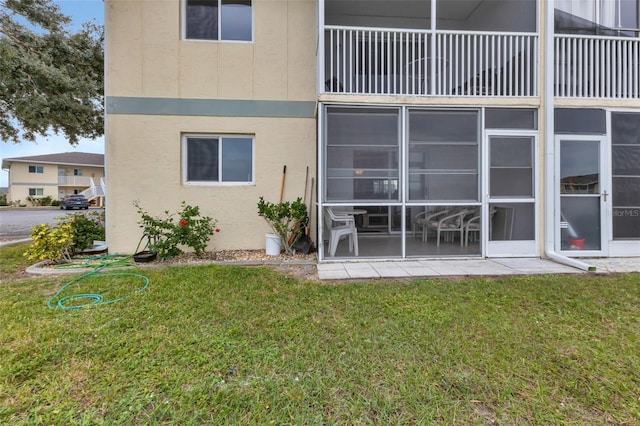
<point>151,173</point>
<point>146,58</point>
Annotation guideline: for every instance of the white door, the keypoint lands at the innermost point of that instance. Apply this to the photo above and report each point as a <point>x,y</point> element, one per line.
<point>510,214</point>
<point>584,189</point>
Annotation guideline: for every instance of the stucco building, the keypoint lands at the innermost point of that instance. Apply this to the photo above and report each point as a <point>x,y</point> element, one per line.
<point>432,128</point>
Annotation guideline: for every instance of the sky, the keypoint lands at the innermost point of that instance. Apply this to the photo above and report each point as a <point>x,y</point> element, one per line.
<point>80,11</point>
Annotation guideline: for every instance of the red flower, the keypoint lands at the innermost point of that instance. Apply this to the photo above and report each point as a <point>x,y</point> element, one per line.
<point>217,229</point>
<point>184,222</point>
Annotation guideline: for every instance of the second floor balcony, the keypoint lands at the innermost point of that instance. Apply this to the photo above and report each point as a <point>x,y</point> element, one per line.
<point>473,48</point>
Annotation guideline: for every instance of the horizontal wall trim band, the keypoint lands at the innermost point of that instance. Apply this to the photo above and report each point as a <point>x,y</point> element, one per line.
<point>34,184</point>
<point>210,107</point>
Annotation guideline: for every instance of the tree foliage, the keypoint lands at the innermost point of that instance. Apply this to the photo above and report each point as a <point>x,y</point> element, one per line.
<point>50,78</point>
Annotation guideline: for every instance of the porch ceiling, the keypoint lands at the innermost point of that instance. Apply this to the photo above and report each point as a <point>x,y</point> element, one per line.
<point>449,10</point>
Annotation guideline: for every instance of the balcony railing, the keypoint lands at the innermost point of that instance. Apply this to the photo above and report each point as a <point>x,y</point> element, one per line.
<point>597,67</point>
<point>441,63</point>
<point>74,181</point>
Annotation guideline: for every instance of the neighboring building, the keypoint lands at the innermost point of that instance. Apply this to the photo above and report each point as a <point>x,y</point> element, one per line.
<point>453,128</point>
<point>55,175</point>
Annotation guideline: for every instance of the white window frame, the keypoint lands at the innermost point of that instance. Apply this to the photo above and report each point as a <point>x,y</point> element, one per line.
<point>77,172</point>
<point>219,39</point>
<point>220,138</point>
<point>37,169</point>
<point>36,190</point>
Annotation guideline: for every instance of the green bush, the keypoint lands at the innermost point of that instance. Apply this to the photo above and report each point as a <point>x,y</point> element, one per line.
<point>185,228</point>
<point>285,219</point>
<point>3,200</point>
<point>74,233</point>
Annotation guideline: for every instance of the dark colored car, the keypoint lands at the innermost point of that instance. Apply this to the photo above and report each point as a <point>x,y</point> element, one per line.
<point>75,201</point>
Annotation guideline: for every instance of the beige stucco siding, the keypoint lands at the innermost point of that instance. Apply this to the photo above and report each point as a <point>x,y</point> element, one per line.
<point>149,169</point>
<point>147,57</point>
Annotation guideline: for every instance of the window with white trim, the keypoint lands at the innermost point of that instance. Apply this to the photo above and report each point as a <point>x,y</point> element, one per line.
<point>36,192</point>
<point>36,169</point>
<point>77,172</point>
<point>218,159</point>
<point>227,20</point>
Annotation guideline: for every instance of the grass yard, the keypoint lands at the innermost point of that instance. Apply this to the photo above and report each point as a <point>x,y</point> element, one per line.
<point>239,345</point>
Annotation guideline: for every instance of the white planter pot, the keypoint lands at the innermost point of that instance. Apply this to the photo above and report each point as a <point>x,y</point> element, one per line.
<point>273,244</point>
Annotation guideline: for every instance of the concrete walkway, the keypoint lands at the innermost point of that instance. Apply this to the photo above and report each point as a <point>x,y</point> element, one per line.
<point>466,267</point>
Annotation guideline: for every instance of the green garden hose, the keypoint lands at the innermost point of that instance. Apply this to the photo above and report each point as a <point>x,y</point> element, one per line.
<point>99,263</point>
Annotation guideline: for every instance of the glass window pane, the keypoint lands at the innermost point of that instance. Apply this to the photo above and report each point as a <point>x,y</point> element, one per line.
<point>237,159</point>
<point>202,19</point>
<point>202,159</point>
<point>512,221</point>
<point>581,121</point>
<point>236,20</point>
<point>511,118</point>
<point>579,167</point>
<point>580,223</point>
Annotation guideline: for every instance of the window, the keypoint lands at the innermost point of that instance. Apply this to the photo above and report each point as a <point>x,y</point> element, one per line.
<point>36,192</point>
<point>597,17</point>
<point>36,169</point>
<point>77,172</point>
<point>218,20</point>
<point>209,159</point>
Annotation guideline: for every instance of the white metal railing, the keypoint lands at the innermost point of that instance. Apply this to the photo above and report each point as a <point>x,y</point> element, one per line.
<point>436,63</point>
<point>596,67</point>
<point>95,191</point>
<point>74,180</point>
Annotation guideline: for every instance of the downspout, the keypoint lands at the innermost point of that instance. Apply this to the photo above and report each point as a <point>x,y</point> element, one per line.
<point>550,154</point>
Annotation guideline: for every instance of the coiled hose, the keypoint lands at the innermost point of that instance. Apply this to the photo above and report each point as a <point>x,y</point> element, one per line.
<point>99,263</point>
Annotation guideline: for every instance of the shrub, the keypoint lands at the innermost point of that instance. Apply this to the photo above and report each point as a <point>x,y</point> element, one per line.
<point>3,200</point>
<point>74,233</point>
<point>285,219</point>
<point>184,228</point>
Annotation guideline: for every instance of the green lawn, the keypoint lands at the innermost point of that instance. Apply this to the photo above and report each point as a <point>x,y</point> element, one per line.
<point>239,345</point>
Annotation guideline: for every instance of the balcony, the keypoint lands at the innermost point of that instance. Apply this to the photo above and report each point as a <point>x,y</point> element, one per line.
<point>596,67</point>
<point>78,181</point>
<point>362,60</point>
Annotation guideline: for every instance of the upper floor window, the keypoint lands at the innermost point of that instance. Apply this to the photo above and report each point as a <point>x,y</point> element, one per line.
<point>77,172</point>
<point>598,17</point>
<point>36,169</point>
<point>211,159</point>
<point>218,20</point>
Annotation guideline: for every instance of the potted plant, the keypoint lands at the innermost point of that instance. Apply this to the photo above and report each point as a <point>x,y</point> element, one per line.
<point>285,220</point>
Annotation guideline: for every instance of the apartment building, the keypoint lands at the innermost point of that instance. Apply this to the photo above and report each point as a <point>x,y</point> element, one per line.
<point>55,175</point>
<point>432,128</point>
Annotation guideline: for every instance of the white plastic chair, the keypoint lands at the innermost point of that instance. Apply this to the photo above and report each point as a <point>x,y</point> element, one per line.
<point>422,220</point>
<point>339,226</point>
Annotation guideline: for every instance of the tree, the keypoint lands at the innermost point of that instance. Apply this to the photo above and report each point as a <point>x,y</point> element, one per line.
<point>50,78</point>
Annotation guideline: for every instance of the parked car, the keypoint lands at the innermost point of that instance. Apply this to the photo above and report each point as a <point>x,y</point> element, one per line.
<point>75,201</point>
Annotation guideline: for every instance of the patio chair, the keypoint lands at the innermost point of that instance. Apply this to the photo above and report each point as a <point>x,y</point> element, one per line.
<point>340,225</point>
<point>422,219</point>
<point>447,226</point>
<point>473,225</point>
